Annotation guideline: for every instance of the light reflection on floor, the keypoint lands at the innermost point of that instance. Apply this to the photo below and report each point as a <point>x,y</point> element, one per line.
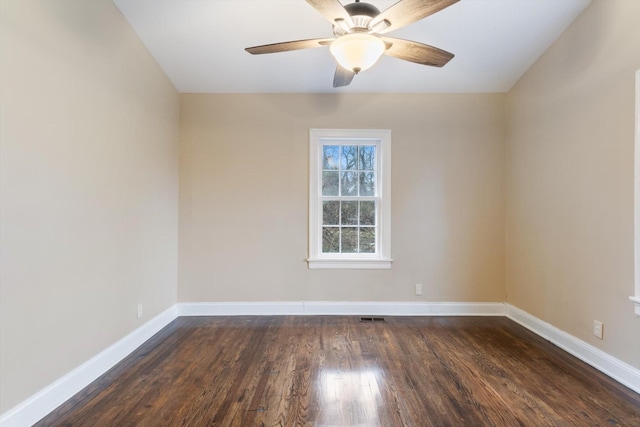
<point>352,396</point>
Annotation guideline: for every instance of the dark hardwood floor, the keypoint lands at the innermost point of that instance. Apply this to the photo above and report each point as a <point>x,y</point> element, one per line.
<point>338,371</point>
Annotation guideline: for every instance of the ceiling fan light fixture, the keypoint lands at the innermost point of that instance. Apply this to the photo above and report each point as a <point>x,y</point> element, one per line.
<point>357,52</point>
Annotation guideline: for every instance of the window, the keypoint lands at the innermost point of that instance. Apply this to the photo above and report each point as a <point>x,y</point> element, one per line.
<point>349,198</point>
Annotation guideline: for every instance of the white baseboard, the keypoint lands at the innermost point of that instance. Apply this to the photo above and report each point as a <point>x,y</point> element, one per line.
<point>46,400</point>
<point>315,308</point>
<point>604,362</point>
<point>269,308</point>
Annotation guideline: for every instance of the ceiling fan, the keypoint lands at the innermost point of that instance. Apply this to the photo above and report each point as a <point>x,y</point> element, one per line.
<point>358,43</point>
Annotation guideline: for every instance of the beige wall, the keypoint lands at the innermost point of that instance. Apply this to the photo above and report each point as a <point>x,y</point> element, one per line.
<point>570,180</point>
<point>88,185</point>
<point>244,197</point>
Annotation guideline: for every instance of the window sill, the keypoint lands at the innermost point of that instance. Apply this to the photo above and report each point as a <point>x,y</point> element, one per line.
<point>349,264</point>
<point>636,301</point>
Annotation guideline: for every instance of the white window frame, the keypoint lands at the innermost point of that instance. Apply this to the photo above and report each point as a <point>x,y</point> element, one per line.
<point>636,298</point>
<point>382,258</point>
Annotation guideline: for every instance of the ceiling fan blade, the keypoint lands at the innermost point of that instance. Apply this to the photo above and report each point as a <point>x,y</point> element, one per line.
<point>406,12</point>
<point>342,77</point>
<point>416,52</point>
<point>287,46</point>
<point>333,11</point>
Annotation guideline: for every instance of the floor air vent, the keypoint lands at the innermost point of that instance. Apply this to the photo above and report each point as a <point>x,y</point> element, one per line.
<point>372,319</point>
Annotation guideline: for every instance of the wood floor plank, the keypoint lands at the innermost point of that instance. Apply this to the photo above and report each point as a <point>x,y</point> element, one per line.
<point>338,371</point>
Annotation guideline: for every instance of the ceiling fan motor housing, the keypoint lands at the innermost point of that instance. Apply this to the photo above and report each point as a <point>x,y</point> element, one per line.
<point>362,9</point>
<point>361,15</point>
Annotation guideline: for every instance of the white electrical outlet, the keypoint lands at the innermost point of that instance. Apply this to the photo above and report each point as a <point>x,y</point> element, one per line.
<point>139,310</point>
<point>598,329</point>
<point>418,289</point>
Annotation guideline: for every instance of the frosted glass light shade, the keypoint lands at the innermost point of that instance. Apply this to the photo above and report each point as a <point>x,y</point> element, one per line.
<point>357,52</point>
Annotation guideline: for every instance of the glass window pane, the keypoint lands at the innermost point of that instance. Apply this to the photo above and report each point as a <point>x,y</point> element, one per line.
<point>349,240</point>
<point>331,212</point>
<point>349,213</point>
<point>330,158</point>
<point>367,183</point>
<point>368,213</point>
<point>330,239</point>
<point>349,181</point>
<point>330,182</point>
<point>349,157</point>
<point>368,157</point>
<point>367,240</point>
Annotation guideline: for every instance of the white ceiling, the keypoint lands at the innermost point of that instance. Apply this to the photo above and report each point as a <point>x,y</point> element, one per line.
<point>200,45</point>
